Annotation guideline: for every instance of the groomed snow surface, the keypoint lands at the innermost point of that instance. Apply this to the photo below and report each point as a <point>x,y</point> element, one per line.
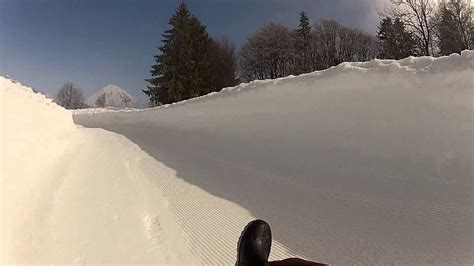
<point>364,163</point>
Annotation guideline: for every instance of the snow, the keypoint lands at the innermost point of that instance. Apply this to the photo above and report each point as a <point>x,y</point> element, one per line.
<point>68,195</point>
<point>114,97</point>
<point>364,163</point>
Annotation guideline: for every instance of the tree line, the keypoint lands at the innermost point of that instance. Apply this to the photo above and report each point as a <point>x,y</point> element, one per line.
<point>426,28</point>
<point>190,63</point>
<point>276,51</point>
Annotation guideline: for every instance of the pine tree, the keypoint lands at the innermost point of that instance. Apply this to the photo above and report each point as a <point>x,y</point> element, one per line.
<point>181,69</point>
<point>404,41</point>
<point>303,35</point>
<point>450,41</point>
<point>385,37</point>
<point>454,27</point>
<point>222,65</point>
<point>396,42</point>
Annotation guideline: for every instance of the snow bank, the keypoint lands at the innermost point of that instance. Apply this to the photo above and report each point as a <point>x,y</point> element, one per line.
<point>23,110</point>
<point>74,195</point>
<point>381,68</point>
<point>363,163</point>
<point>34,133</point>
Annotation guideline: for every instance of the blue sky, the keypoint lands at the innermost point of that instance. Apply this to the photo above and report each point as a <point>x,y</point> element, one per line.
<point>92,43</point>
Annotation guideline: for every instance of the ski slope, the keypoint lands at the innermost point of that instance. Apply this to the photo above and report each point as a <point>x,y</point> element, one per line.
<point>364,163</point>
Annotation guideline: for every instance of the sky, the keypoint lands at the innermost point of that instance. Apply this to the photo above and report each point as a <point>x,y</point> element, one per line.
<point>92,43</point>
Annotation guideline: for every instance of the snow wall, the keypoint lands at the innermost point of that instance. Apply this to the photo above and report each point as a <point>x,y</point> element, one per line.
<point>362,163</point>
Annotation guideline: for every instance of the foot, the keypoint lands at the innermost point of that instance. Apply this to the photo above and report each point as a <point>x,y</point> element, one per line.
<point>254,244</point>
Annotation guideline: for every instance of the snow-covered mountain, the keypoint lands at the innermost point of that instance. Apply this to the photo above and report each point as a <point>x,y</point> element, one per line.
<point>111,96</point>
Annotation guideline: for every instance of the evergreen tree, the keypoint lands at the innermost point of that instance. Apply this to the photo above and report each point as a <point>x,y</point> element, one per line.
<point>396,42</point>
<point>303,38</point>
<point>449,38</point>
<point>404,40</point>
<point>454,27</point>
<point>386,38</point>
<point>181,70</point>
<point>222,65</point>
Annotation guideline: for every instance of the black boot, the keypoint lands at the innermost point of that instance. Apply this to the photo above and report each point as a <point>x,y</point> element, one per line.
<point>254,244</point>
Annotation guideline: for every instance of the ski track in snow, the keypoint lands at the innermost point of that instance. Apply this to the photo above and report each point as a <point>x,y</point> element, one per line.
<point>365,163</point>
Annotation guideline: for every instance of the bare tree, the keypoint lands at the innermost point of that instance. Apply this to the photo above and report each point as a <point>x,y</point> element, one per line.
<point>326,43</point>
<point>275,51</point>
<point>334,43</point>
<point>70,97</point>
<point>418,16</point>
<point>267,54</point>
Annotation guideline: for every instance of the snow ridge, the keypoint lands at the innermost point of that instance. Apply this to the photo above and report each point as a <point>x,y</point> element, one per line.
<point>414,65</point>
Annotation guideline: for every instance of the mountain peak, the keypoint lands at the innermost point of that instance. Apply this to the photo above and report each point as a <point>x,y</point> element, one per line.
<point>113,96</point>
